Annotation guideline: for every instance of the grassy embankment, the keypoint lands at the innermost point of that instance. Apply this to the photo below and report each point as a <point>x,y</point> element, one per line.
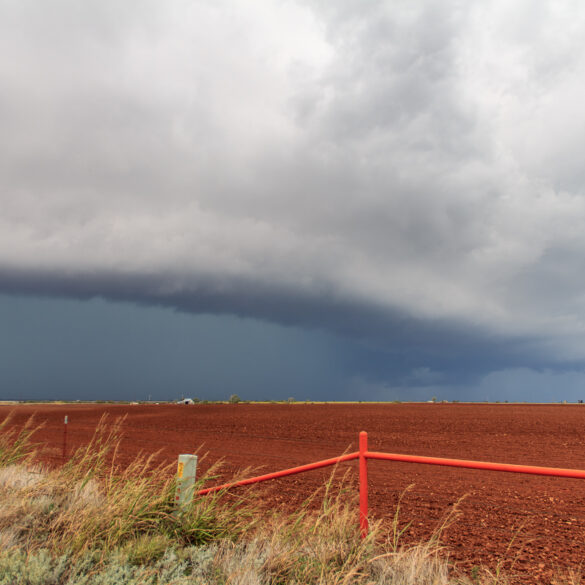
<point>92,523</point>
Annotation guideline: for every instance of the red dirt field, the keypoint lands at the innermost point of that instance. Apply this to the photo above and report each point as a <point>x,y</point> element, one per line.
<point>540,520</point>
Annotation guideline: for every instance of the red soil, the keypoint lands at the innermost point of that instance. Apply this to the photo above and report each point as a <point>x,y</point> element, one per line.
<point>541,520</point>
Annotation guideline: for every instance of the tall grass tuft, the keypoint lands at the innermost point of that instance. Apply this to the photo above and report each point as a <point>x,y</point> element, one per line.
<point>94,504</point>
<point>15,444</point>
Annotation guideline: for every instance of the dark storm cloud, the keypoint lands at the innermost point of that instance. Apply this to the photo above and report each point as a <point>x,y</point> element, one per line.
<point>404,174</point>
<point>392,343</point>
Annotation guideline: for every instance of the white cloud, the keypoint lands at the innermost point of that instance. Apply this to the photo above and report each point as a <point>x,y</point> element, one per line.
<point>420,158</point>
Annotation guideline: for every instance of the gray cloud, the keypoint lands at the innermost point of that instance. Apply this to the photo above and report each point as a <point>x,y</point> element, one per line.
<point>408,175</point>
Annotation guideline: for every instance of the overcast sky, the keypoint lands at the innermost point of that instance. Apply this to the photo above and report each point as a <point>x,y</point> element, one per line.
<point>323,199</point>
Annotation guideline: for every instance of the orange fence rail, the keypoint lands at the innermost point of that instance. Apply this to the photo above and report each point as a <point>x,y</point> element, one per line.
<point>283,473</point>
<point>363,455</point>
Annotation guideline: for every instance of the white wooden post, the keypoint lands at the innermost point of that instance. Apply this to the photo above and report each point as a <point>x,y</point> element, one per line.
<point>186,471</point>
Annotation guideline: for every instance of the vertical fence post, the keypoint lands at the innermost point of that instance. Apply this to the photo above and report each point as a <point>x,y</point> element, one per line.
<point>363,484</point>
<point>186,471</point>
<point>65,438</point>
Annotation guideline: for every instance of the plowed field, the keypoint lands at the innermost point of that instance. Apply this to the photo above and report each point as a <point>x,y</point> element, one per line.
<point>540,520</point>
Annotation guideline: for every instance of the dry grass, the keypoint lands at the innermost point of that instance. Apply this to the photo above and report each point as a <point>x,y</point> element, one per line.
<point>16,445</point>
<point>92,504</point>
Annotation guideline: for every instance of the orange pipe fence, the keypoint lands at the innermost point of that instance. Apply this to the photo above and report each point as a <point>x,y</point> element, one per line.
<point>483,465</point>
<point>363,455</point>
<point>283,473</point>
